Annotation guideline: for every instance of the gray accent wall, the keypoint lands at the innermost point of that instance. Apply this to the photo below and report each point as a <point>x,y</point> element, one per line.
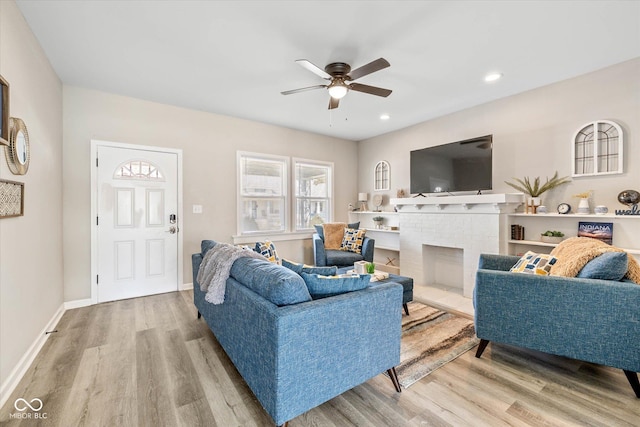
<point>31,290</point>
<point>532,134</point>
<point>209,143</point>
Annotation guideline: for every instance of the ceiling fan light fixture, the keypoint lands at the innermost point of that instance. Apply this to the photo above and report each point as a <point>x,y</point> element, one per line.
<point>338,90</point>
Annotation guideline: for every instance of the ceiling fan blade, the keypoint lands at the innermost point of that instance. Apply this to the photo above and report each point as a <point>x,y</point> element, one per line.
<point>333,103</point>
<point>371,67</point>
<point>303,89</point>
<point>372,90</point>
<point>314,69</point>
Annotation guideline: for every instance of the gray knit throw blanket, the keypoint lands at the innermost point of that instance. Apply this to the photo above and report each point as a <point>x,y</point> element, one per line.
<point>215,268</point>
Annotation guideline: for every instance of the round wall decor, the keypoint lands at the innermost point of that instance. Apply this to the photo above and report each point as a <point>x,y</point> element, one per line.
<point>18,152</point>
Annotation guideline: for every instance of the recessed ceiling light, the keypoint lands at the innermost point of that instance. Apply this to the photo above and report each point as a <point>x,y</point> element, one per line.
<point>384,117</point>
<point>492,77</point>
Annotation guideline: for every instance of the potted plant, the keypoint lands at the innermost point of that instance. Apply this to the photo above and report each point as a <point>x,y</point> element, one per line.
<point>378,221</point>
<point>552,236</point>
<point>534,189</point>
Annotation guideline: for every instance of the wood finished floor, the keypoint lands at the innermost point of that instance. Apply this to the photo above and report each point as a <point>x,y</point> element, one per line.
<point>150,362</point>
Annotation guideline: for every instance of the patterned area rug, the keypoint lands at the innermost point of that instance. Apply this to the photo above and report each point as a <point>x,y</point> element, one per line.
<point>430,339</point>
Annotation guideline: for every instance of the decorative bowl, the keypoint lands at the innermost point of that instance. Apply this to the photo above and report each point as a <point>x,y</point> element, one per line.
<point>551,239</point>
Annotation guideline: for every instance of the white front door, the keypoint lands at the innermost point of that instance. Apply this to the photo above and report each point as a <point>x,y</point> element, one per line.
<point>137,207</point>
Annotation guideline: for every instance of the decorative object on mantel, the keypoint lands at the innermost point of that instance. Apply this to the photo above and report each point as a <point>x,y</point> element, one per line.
<point>377,201</point>
<point>542,209</point>
<point>11,198</point>
<point>4,112</point>
<point>535,190</point>
<point>600,210</point>
<point>400,194</point>
<point>551,236</point>
<point>378,221</point>
<point>18,151</point>
<point>597,149</point>
<point>583,205</point>
<point>362,198</point>
<point>630,198</point>
<point>564,208</point>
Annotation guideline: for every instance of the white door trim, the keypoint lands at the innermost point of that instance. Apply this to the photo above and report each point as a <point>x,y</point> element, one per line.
<point>94,207</point>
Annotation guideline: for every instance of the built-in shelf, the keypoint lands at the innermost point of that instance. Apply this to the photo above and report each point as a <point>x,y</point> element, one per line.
<point>572,215</point>
<point>375,212</point>
<point>381,230</point>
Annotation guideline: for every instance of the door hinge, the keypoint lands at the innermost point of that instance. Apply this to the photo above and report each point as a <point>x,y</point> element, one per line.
<point>97,220</point>
<point>96,162</point>
<point>97,279</point>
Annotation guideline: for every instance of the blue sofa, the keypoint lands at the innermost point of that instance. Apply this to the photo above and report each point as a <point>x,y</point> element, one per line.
<point>299,353</point>
<point>597,321</point>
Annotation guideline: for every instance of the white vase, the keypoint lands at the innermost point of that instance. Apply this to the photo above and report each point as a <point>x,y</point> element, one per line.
<point>583,206</point>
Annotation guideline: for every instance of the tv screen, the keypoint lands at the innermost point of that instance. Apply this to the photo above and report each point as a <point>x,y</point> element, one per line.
<point>457,166</point>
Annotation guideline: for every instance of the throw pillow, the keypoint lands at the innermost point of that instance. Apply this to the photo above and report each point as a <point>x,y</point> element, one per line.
<point>320,229</point>
<point>300,268</point>
<point>325,286</point>
<point>333,234</point>
<point>533,263</point>
<point>268,250</point>
<point>608,266</point>
<point>352,240</point>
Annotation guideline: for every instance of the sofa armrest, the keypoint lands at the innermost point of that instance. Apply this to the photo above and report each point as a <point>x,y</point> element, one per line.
<point>196,260</point>
<point>497,262</point>
<point>593,320</point>
<point>368,248</point>
<point>319,254</point>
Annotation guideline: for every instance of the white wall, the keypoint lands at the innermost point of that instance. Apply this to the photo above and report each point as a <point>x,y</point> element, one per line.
<point>31,290</point>
<point>532,134</point>
<point>209,143</point>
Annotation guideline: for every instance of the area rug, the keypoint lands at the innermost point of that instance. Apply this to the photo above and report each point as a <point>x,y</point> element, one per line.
<point>430,339</point>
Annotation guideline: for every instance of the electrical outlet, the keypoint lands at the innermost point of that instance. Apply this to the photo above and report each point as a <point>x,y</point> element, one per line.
<point>197,209</point>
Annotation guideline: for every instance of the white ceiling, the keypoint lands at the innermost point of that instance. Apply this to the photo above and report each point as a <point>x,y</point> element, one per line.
<point>235,57</point>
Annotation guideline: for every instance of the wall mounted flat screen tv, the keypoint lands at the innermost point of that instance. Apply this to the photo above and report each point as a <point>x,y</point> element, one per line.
<point>457,166</point>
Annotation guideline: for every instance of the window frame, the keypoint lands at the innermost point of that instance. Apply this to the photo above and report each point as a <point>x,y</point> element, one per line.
<point>240,198</point>
<point>295,198</point>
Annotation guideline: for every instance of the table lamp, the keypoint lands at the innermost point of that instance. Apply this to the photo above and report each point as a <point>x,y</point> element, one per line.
<point>362,198</point>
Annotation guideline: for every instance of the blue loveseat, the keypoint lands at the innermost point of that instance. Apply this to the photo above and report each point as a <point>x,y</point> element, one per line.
<point>597,321</point>
<point>296,353</point>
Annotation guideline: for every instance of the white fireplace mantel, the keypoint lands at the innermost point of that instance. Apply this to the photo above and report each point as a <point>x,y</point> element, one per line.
<point>441,238</point>
<point>486,203</point>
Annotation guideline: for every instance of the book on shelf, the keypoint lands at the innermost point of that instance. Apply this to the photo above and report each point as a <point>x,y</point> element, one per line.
<point>517,232</point>
<point>596,230</point>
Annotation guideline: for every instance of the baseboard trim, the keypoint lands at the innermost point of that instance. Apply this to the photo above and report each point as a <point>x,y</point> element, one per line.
<point>70,305</point>
<point>25,362</point>
<point>186,286</point>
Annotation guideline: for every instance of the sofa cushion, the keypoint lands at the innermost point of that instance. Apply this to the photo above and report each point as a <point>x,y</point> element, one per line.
<point>300,268</point>
<point>533,263</point>
<point>342,258</point>
<point>268,250</point>
<point>325,286</point>
<point>320,229</point>
<point>608,266</point>
<point>352,240</point>
<point>273,282</point>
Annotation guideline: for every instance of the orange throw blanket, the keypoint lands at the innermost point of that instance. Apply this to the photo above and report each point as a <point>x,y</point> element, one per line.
<point>333,234</point>
<point>575,252</point>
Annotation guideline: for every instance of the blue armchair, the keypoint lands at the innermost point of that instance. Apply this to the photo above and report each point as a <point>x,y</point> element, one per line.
<point>324,257</point>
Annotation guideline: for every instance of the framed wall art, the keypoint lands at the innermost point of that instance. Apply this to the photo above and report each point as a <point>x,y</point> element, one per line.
<point>4,112</point>
<point>11,198</point>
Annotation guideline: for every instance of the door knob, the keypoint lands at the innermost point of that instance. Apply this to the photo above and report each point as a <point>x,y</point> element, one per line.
<point>172,230</point>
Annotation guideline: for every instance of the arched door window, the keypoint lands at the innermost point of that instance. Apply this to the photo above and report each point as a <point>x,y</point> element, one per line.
<point>381,176</point>
<point>138,169</point>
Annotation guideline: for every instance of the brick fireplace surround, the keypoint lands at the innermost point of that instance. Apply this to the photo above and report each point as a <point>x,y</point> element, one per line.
<point>441,238</point>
